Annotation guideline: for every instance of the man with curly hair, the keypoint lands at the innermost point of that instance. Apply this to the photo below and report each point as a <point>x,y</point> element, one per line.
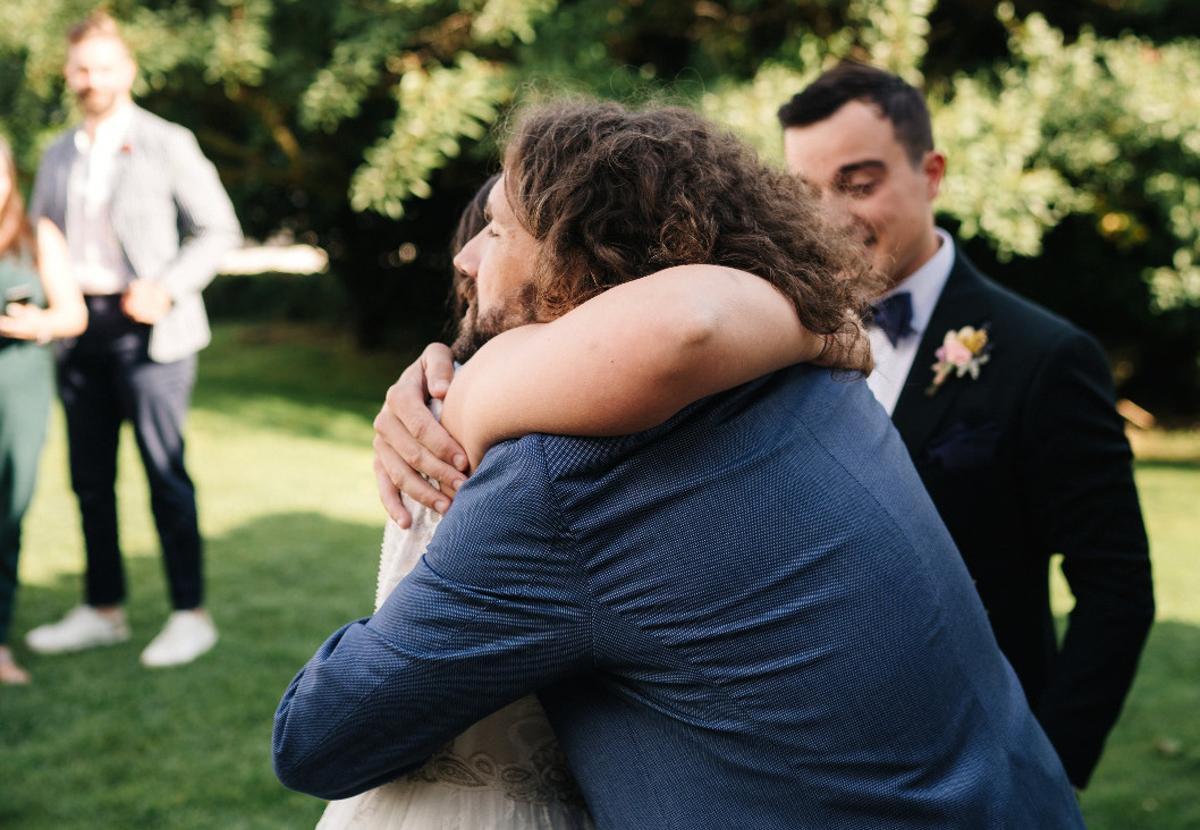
<point>816,658</point>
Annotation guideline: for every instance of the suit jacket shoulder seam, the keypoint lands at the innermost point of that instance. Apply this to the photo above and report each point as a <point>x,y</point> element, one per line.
<point>563,530</point>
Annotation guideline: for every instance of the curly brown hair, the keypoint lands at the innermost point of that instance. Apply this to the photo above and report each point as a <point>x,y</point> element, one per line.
<point>614,194</point>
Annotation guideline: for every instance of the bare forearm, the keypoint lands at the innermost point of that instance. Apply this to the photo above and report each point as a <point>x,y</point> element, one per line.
<point>65,314</point>
<point>628,359</point>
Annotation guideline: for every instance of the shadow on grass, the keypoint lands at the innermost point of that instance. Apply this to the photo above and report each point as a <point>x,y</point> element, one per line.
<point>1190,464</point>
<point>1151,765</point>
<point>98,741</point>
<point>303,379</point>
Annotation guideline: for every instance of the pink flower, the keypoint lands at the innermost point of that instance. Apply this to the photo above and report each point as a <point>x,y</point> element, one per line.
<point>961,354</point>
<point>955,352</point>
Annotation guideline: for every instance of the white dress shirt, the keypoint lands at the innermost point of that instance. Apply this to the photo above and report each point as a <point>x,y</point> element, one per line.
<point>97,261</point>
<point>893,363</point>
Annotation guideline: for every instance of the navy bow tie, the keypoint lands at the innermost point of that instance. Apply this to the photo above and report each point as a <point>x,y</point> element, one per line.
<point>894,316</point>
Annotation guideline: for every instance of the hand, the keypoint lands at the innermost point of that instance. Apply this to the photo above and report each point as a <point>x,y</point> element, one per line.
<point>410,443</point>
<point>146,302</point>
<point>848,349</point>
<point>25,322</point>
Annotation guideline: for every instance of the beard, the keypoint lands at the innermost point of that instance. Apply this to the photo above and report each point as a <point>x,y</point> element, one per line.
<point>95,102</point>
<point>475,329</point>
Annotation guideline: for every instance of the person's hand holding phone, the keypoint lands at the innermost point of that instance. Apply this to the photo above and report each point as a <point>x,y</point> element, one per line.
<point>22,320</point>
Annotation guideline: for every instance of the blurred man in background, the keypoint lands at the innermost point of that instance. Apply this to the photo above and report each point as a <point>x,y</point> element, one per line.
<point>1006,409</point>
<point>146,221</point>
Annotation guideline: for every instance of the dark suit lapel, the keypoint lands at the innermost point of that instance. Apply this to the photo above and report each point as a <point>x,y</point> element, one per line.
<point>918,414</point>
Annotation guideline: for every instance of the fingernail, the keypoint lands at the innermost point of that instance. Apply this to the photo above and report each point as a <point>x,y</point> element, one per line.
<point>439,386</point>
<point>458,482</point>
<point>460,461</point>
<point>441,505</point>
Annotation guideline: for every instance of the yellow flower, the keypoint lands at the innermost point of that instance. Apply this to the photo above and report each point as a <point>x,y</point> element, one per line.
<point>973,338</point>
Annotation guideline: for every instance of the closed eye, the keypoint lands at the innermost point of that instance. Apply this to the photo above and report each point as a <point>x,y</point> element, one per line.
<point>858,190</point>
<point>861,179</point>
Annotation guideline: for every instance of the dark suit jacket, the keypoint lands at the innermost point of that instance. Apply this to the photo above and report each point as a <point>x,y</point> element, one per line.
<point>1026,461</point>
<point>748,617</point>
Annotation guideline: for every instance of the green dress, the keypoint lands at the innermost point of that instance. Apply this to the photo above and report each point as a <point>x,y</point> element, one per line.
<point>26,383</point>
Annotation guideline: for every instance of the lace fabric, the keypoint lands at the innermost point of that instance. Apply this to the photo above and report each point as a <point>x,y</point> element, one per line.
<point>506,772</point>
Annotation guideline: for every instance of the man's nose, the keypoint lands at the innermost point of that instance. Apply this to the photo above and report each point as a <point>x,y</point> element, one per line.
<point>467,259</point>
<point>461,263</point>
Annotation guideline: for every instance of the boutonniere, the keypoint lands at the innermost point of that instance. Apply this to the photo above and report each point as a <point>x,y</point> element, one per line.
<point>962,353</point>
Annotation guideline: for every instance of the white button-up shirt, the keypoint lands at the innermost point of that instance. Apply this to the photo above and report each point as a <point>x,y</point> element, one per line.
<point>97,261</point>
<point>893,363</point>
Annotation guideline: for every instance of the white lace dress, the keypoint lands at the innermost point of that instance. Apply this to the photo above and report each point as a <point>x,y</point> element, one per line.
<point>504,773</point>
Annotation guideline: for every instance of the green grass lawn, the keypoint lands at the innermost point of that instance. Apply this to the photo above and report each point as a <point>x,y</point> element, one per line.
<point>280,449</point>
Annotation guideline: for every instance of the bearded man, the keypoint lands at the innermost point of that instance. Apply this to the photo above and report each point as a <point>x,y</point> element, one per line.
<point>147,222</point>
<point>817,658</point>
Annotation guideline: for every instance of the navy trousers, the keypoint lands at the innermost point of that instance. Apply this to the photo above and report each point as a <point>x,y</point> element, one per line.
<point>106,377</point>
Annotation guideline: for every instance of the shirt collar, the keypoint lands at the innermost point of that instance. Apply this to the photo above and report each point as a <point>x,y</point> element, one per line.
<point>926,283</point>
<point>110,133</point>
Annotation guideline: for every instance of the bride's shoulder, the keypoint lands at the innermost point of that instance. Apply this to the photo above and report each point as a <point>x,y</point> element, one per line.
<point>402,547</point>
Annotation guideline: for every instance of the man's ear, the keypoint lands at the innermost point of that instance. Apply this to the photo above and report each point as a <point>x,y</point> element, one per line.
<point>933,166</point>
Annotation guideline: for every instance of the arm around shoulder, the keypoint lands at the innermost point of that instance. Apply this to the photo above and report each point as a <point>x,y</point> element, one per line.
<point>628,358</point>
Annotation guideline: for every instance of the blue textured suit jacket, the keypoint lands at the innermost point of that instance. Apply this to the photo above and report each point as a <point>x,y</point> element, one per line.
<point>748,617</point>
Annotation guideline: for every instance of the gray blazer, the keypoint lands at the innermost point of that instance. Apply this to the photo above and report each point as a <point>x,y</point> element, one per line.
<point>169,212</point>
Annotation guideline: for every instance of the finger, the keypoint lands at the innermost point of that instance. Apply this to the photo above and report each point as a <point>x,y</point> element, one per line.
<point>397,437</point>
<point>407,405</point>
<point>390,497</point>
<point>438,362</point>
<point>405,479</point>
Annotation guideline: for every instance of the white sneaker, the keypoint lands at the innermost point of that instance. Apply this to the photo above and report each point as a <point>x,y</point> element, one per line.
<point>83,627</point>
<point>186,636</point>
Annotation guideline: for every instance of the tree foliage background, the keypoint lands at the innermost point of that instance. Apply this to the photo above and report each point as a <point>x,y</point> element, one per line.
<point>1072,127</point>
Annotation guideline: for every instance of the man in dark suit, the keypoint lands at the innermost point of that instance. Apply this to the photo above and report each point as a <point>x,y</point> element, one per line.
<point>1006,409</point>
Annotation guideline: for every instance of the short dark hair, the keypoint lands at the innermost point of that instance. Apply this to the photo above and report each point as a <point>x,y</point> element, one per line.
<point>896,100</point>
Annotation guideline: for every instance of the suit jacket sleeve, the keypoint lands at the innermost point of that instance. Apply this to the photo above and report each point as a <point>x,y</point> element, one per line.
<point>41,197</point>
<point>493,611</point>
<point>1082,495</point>
<point>208,224</point>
